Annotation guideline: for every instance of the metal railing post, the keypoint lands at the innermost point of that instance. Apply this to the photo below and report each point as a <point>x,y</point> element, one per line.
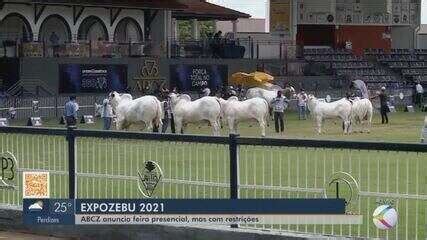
<point>71,139</point>
<point>257,50</point>
<point>234,169</point>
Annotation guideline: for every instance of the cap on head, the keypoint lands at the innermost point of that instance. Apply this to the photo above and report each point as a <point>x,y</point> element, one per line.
<point>383,88</point>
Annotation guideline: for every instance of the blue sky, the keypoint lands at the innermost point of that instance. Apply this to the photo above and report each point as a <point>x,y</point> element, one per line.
<point>256,8</point>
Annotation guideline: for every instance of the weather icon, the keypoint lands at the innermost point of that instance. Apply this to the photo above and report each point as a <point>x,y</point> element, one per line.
<point>37,206</point>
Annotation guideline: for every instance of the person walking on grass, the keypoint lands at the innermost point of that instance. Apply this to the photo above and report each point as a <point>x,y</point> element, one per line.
<point>419,94</point>
<point>107,114</point>
<point>384,109</point>
<point>302,104</point>
<point>279,105</point>
<point>70,113</point>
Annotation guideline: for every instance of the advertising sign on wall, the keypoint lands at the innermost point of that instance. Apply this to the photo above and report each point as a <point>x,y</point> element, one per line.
<point>280,15</point>
<point>84,78</point>
<point>197,77</point>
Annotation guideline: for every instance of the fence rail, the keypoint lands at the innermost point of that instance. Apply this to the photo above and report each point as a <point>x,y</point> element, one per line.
<point>99,164</point>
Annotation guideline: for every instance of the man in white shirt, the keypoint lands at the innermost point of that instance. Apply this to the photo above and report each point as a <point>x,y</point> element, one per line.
<point>302,104</point>
<point>419,94</point>
<point>107,114</point>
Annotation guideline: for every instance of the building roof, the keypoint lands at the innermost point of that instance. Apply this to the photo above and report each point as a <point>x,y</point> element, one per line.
<point>202,10</point>
<point>182,9</point>
<point>138,4</point>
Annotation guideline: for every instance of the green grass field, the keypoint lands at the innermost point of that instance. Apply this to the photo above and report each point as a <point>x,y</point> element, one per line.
<point>403,127</point>
<point>201,170</point>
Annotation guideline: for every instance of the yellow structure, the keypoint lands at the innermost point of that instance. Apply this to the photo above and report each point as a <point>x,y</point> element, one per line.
<point>255,79</point>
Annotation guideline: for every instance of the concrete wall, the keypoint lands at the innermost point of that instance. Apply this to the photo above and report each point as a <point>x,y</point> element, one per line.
<point>67,13</point>
<point>422,41</point>
<point>252,25</point>
<point>402,37</point>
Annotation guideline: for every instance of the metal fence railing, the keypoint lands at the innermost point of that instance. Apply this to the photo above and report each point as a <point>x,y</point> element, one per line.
<point>100,164</point>
<point>48,107</point>
<point>78,49</point>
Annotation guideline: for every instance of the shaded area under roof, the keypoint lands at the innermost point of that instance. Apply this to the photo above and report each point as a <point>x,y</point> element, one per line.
<point>135,4</point>
<point>202,10</point>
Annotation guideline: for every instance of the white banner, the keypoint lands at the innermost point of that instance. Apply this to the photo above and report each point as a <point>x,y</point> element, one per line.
<point>215,219</point>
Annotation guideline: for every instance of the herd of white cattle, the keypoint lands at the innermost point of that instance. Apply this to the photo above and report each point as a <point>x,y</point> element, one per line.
<point>148,111</point>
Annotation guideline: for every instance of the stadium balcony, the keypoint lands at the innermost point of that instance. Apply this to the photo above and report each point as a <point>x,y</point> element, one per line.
<point>204,48</point>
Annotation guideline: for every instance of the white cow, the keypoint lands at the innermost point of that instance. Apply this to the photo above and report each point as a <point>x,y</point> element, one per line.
<point>269,95</point>
<point>144,111</point>
<point>203,109</point>
<point>233,111</point>
<point>361,113</point>
<point>324,110</point>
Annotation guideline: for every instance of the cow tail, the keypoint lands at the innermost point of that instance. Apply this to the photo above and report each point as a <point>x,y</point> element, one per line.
<point>220,113</point>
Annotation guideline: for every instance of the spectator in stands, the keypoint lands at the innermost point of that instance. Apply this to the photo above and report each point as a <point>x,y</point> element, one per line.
<point>216,45</point>
<point>302,104</point>
<point>70,113</point>
<point>384,105</point>
<point>419,95</point>
<point>54,42</point>
<point>107,114</point>
<point>279,105</point>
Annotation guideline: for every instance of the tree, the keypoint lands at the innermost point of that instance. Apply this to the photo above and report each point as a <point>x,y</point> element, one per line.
<point>206,28</point>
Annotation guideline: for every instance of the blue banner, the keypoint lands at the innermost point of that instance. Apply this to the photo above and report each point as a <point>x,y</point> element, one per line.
<point>103,211</point>
<point>210,206</point>
<point>196,77</point>
<point>49,211</point>
<point>84,78</point>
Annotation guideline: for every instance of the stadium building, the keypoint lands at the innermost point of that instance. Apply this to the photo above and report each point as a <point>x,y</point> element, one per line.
<point>365,24</point>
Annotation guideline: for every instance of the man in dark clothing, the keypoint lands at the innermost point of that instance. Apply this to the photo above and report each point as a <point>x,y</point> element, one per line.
<point>279,105</point>
<point>384,106</point>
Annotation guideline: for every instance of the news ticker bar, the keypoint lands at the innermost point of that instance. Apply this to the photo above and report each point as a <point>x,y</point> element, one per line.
<point>186,211</point>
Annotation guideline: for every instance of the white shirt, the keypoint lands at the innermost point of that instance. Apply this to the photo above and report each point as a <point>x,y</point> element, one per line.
<point>419,88</point>
<point>302,99</point>
<point>107,110</point>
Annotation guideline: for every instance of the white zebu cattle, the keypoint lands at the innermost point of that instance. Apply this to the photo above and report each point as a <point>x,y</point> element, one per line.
<point>203,109</point>
<point>233,111</point>
<point>146,111</point>
<point>269,95</point>
<point>361,112</point>
<point>324,110</point>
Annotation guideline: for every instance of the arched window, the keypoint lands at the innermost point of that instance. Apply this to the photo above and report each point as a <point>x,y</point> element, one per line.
<point>15,27</point>
<point>55,25</point>
<point>128,30</point>
<point>93,28</point>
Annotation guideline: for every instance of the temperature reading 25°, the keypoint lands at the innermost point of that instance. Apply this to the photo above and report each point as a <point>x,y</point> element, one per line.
<point>62,207</point>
